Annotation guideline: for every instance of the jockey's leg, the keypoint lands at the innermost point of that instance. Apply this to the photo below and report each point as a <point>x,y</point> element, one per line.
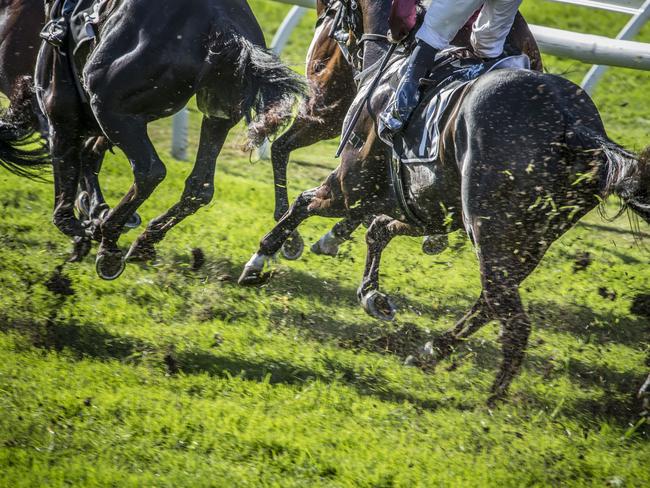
<point>492,26</point>
<point>442,22</point>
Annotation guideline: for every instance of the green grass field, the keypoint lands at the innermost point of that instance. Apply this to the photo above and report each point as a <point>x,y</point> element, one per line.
<point>174,377</point>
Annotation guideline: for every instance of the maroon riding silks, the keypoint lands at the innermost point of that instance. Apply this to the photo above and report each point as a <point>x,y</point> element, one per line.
<point>403,16</point>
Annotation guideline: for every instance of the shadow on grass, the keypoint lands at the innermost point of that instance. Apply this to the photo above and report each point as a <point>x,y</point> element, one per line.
<point>609,228</point>
<point>298,283</point>
<point>92,341</point>
<point>589,326</point>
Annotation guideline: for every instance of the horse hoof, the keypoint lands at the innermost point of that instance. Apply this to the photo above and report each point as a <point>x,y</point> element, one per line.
<point>378,305</point>
<point>328,245</point>
<point>110,265</point>
<point>433,245</point>
<point>293,247</point>
<point>81,248</point>
<point>253,273</point>
<point>141,252</point>
<point>82,205</point>
<point>134,222</point>
<point>251,277</point>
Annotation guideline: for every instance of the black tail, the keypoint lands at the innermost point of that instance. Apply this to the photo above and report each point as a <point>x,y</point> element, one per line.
<point>623,173</point>
<point>270,87</point>
<point>21,151</point>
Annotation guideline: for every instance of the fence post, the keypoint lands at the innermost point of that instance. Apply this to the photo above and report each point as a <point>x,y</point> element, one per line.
<point>180,131</point>
<point>277,45</point>
<point>631,29</point>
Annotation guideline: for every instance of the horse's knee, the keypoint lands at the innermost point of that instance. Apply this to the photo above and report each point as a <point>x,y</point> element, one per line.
<point>150,176</point>
<point>378,230</point>
<point>200,197</point>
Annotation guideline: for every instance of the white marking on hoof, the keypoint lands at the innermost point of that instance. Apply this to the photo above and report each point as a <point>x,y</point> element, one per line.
<point>379,305</point>
<point>328,245</point>
<point>252,273</point>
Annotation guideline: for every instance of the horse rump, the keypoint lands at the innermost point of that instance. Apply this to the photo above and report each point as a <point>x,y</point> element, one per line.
<point>22,152</point>
<point>270,88</point>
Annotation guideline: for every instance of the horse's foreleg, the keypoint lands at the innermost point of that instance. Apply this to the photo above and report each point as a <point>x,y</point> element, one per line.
<point>382,230</point>
<point>271,243</point>
<point>305,131</point>
<point>198,192</point>
<point>130,135</point>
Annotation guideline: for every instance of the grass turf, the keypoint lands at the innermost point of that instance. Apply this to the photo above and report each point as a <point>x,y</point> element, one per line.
<point>176,377</point>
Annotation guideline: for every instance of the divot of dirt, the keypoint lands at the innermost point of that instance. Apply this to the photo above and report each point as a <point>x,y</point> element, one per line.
<point>641,305</point>
<point>60,284</point>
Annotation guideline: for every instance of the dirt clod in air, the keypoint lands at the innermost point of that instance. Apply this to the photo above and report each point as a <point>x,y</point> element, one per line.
<point>198,258</point>
<point>582,261</point>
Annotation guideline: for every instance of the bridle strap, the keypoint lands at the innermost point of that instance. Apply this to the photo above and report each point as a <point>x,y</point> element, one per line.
<point>373,38</point>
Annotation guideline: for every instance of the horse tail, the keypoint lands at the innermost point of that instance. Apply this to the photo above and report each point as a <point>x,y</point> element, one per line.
<point>270,88</point>
<point>21,152</point>
<point>623,172</point>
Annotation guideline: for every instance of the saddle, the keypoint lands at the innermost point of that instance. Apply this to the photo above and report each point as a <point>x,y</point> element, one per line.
<point>453,74</point>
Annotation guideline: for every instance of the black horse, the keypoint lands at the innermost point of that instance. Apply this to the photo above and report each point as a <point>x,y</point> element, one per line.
<point>146,64</point>
<point>524,156</point>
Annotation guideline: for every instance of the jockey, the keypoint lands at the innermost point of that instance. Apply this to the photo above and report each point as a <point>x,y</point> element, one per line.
<point>56,31</point>
<point>443,20</point>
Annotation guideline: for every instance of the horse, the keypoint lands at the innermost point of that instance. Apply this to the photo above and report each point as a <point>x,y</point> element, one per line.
<point>144,65</point>
<point>330,71</point>
<point>20,24</point>
<point>524,155</point>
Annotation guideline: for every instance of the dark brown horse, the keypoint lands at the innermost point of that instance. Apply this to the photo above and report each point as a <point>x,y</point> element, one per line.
<point>524,156</point>
<point>20,24</point>
<point>146,65</point>
<point>332,88</point>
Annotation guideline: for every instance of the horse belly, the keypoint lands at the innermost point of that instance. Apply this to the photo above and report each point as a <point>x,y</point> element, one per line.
<point>433,194</point>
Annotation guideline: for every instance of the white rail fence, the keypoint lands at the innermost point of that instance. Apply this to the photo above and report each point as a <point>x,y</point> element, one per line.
<point>599,51</point>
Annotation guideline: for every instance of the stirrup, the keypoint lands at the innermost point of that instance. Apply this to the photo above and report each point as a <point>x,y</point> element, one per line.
<point>55,32</point>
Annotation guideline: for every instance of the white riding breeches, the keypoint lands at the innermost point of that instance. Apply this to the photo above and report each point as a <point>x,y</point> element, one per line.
<point>445,18</point>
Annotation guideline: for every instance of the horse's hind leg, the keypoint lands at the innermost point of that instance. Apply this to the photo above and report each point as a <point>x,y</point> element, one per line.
<point>515,331</point>
<point>65,151</point>
<point>328,245</point>
<point>130,135</point>
<point>472,321</point>
<point>198,192</point>
<point>382,230</point>
<point>501,273</point>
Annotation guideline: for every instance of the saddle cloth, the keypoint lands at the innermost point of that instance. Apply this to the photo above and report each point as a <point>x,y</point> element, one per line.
<point>419,143</point>
<point>84,21</point>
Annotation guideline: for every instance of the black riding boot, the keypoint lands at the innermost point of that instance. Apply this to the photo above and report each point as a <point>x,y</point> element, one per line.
<point>408,92</point>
